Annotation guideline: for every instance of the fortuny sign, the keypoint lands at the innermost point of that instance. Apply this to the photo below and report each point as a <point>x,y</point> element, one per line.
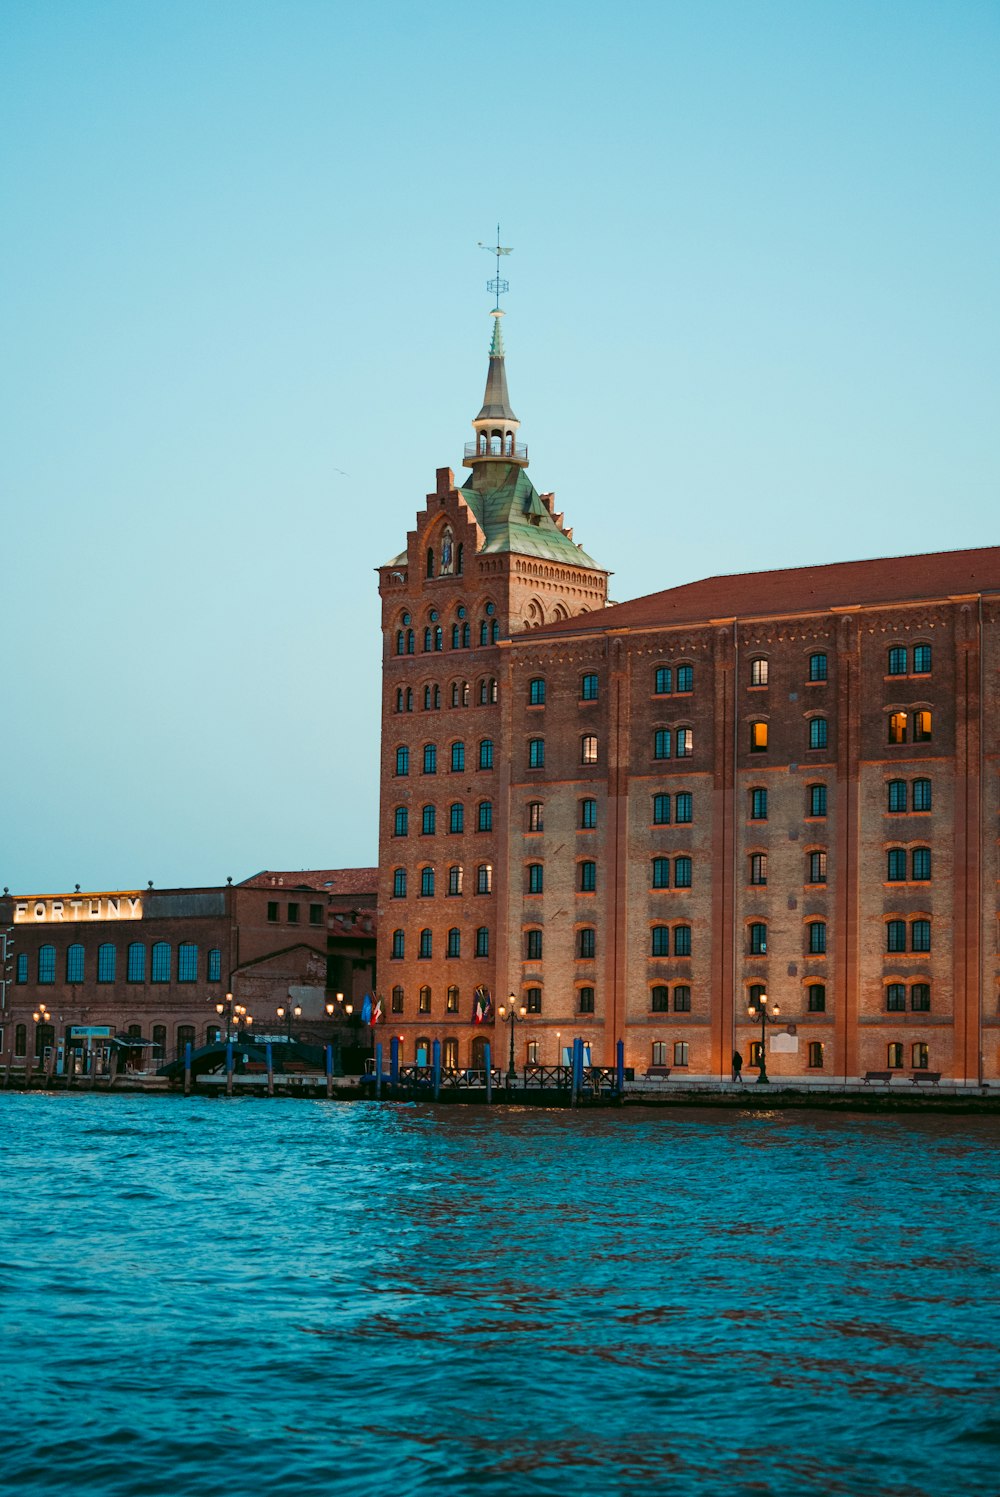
<point>73,907</point>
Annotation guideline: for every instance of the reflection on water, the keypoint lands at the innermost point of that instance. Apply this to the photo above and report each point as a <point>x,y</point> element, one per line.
<point>206,1296</point>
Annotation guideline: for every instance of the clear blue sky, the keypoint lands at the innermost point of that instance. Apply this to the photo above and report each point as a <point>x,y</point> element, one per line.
<point>752,324</point>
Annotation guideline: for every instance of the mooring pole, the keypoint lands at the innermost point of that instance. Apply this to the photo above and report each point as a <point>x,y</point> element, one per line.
<point>187,1068</point>
<point>620,1065</point>
<point>488,1057</point>
<point>436,1069</point>
<point>378,1071</point>
<point>329,1070</point>
<point>270,1068</point>
<point>394,1060</point>
<point>229,1068</point>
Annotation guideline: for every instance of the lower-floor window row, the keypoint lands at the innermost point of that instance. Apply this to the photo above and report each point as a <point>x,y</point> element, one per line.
<point>166,963</point>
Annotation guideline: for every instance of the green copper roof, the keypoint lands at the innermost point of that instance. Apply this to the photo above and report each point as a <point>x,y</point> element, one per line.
<point>508,508</point>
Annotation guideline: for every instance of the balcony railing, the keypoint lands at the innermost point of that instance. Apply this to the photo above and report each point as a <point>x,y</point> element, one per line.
<point>496,448</point>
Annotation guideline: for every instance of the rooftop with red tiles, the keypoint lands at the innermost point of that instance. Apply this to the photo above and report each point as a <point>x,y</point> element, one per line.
<point>327,880</point>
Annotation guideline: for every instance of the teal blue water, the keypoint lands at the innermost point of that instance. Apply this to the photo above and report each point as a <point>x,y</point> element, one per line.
<point>218,1297</point>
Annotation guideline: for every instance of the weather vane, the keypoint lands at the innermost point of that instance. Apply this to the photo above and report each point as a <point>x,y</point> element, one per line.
<point>497,286</point>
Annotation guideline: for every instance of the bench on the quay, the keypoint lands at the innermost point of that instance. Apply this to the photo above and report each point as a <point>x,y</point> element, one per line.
<point>657,1073</point>
<point>885,1076</point>
<point>929,1078</point>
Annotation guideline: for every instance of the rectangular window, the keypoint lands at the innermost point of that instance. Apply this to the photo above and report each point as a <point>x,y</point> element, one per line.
<point>758,939</point>
<point>533,945</point>
<point>817,667</point>
<point>660,1000</point>
<point>817,938</point>
<point>920,935</point>
<point>758,868</point>
<point>661,810</point>
<point>315,914</point>
<point>588,688</point>
<point>586,1000</point>
<point>536,692</point>
<point>921,660</point>
<point>588,877</point>
<point>272,910</point>
<point>588,814</point>
<point>758,738</point>
<point>106,962</point>
<point>815,1055</point>
<point>685,678</point>
<point>683,804</point>
<point>187,962</point>
<point>682,873</point>
<point>685,743</point>
<point>661,743</point>
<point>895,997</point>
<point>758,673</point>
<point>482,941</point>
<point>682,999</point>
<point>161,962</point>
<point>536,878</point>
<point>897,727</point>
<point>682,940</point>
<point>817,867</point>
<point>920,1056</point>
<point>586,944</point>
<point>922,727</point>
<point>817,998</point>
<point>293,913</point>
<point>533,1000</point>
<point>659,1053</point>
<point>758,805</point>
<point>921,795</point>
<point>536,816</point>
<point>817,800</point>
<point>661,873</point>
<point>920,997</point>
<point>664,681</point>
<point>897,795</point>
<point>680,1052</point>
<point>536,753</point>
<point>661,940</point>
<point>897,661</point>
<point>215,965</point>
<point>817,733</point>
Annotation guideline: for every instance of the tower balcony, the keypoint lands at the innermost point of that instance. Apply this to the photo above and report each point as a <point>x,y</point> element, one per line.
<point>497,450</point>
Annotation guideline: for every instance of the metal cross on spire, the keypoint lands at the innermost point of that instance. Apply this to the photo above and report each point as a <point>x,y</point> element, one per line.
<point>497,286</point>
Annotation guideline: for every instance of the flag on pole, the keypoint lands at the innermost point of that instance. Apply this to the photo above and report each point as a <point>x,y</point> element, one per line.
<point>483,1006</point>
<point>366,1009</point>
<point>377,1016</point>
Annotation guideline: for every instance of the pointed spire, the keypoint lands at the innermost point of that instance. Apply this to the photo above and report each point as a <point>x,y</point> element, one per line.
<point>496,401</point>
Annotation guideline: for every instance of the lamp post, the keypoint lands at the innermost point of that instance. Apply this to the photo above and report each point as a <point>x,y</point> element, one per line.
<point>767,1016</point>
<point>233,1011</point>
<point>287,1012</point>
<point>513,1016</point>
<point>40,1016</point>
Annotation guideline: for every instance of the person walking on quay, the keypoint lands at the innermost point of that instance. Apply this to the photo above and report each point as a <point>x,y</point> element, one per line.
<point>737,1066</point>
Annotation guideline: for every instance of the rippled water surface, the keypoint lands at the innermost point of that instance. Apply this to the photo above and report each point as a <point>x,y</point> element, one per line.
<point>220,1297</point>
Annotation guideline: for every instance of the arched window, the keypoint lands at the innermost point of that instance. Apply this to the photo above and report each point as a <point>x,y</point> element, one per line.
<point>454,942</point>
<point>588,748</point>
<point>457,757</point>
<point>460,562</point>
<point>896,665</point>
<point>921,795</point>
<point>484,633</point>
<point>758,672</point>
<point>400,822</point>
<point>536,878</point>
<point>817,667</point>
<point>21,1041</point>
<point>684,743</point>
<point>660,940</point>
<point>396,1000</point>
<point>399,699</point>
<point>682,873</point>
<point>425,949</point>
<point>758,867</point>
<point>586,943</point>
<point>663,681</point>
<point>536,692</point>
<point>682,998</point>
<point>106,962</point>
<point>430,758</point>
<point>920,935</point>
<point>758,737</point>
<point>428,639</point>
<point>816,998</point>
<point>438,637</point>
<point>486,753</point>
<point>660,999</point>
<point>399,883</point>
<point>589,687</point>
<point>402,760</point>
<point>895,870</point>
<point>159,1038</point>
<point>922,732</point>
<point>897,727</point>
<point>816,1055</point>
<point>495,634</point>
<point>533,945</point>
<point>136,967</point>
<point>409,699</point>
<point>662,743</point>
<point>427,883</point>
<point>428,818</point>
<point>410,642</point>
<point>588,814</point>
<point>661,873</point>
<point>536,753</point>
<point>483,941</point>
<point>921,660</point>
<point>817,937</point>
<point>161,961</point>
<point>895,997</point>
<point>400,642</point>
<point>484,818</point>
<point>456,817</point>
<point>451,1007</point>
<point>74,963</point>
<point>466,638</point>
<point>817,733</point>
<point>682,940</point>
<point>398,945</point>
<point>536,816</point>
<point>484,878</point>
<point>46,965</point>
<point>895,935</point>
<point>455,879</point>
<point>585,1002</point>
<point>685,678</point>
<point>588,876</point>
<point>185,1037</point>
<point>758,938</point>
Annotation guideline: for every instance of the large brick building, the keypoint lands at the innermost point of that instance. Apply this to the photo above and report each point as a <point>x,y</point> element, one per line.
<point>636,819</point>
<point>153,964</point>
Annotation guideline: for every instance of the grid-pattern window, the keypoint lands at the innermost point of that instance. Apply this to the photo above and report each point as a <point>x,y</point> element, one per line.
<point>817,733</point>
<point>46,964</point>
<point>457,757</point>
<point>682,873</point>
<point>292,915</point>
<point>588,687</point>
<point>816,998</point>
<point>922,732</point>
<point>758,868</point>
<point>683,806</point>
<point>536,692</point>
<point>817,667</point>
<point>658,1051</point>
<point>682,940</point>
<point>533,1000</point>
<point>315,914</point>
<point>896,795</point>
<point>136,964</point>
<point>428,821</point>
<point>536,816</point>
<point>272,910</point>
<point>661,810</point>
<point>894,1056</point>
<point>588,748</point>
<point>426,883</point>
<point>661,873</point>
<point>160,962</point>
<point>425,948</point>
<point>483,941</point>
<point>661,940</point>
<point>681,1051</point>
<point>816,800</point>
<point>685,743</point>
<point>920,935</point>
<point>758,673</point>
<point>920,1056</point>
<point>424,1000</point>
<point>817,868</point>
<point>456,817</point>
<point>682,998</point>
<point>662,742</point>
<point>588,876</point>
<point>897,661</point>
<point>484,816</point>
<point>22,967</point>
<point>895,935</point>
<point>451,1002</point>
<point>400,823</point>
<point>586,1001</point>
<point>921,864</point>
<point>187,962</point>
<point>430,758</point>
<point>486,753</point>
<point>663,681</point>
<point>533,945</point>
<point>399,883</point>
<point>484,878</point>
<point>398,945</point>
<point>920,997</point>
<point>921,795</point>
<point>455,879</point>
<point>536,753</point>
<point>817,937</point>
<point>454,943</point>
<point>660,999</point>
<point>586,943</point>
<point>536,878</point>
<point>107,962</point>
<point>895,997</point>
<point>921,660</point>
<point>402,760</point>
<point>758,938</point>
<point>758,805</point>
<point>815,1055</point>
<point>897,727</point>
<point>215,965</point>
<point>74,963</point>
<point>685,678</point>
<point>588,814</point>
